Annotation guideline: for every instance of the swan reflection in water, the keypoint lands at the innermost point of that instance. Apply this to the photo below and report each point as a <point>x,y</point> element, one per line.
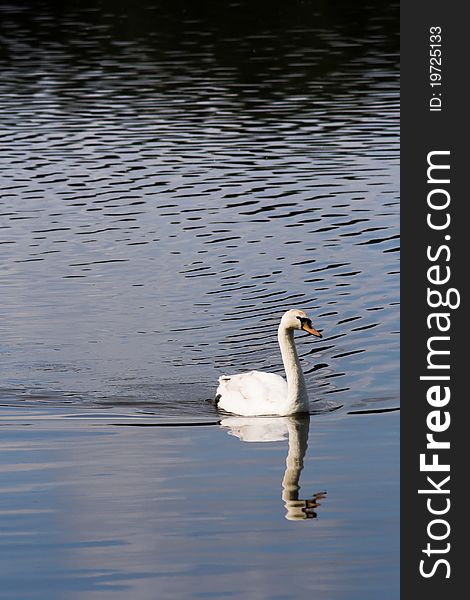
<point>272,429</point>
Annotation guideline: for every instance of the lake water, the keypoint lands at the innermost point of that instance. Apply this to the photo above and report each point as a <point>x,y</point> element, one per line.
<point>174,177</point>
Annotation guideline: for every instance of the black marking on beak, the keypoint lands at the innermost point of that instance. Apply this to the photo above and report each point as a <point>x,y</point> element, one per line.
<point>306,325</point>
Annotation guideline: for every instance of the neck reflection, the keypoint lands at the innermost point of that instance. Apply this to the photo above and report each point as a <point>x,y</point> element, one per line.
<point>271,429</point>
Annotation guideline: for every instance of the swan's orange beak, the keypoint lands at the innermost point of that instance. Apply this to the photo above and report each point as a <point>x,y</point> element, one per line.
<point>311,330</point>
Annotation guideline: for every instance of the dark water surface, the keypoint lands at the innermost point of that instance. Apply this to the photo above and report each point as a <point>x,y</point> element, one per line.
<point>174,177</point>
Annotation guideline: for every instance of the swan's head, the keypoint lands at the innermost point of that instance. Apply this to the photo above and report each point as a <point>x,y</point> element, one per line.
<point>298,319</point>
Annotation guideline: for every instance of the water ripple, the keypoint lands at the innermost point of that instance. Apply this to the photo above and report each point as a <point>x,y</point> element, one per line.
<point>166,197</point>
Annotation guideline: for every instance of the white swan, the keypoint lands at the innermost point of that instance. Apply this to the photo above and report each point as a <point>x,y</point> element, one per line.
<point>257,393</point>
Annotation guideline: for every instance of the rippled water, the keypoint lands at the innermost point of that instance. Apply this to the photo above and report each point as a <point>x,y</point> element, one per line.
<point>174,177</point>
<point>161,210</point>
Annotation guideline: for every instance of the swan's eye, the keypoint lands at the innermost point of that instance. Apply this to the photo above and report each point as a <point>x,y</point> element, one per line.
<point>304,321</point>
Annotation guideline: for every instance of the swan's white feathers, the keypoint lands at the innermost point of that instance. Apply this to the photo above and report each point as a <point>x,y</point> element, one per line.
<point>262,394</point>
<point>252,393</point>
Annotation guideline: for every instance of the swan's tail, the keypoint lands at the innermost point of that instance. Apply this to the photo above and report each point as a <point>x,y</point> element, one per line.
<point>223,382</point>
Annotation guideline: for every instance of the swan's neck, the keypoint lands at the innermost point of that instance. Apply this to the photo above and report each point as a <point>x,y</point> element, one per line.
<point>297,399</point>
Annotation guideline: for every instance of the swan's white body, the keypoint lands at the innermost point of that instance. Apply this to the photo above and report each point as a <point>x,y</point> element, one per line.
<point>258,393</point>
